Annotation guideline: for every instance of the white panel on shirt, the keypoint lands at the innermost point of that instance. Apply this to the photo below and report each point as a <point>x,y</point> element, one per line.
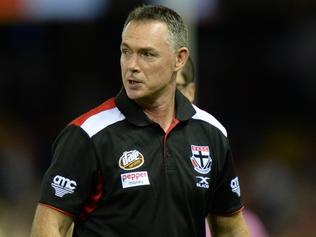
<point>101,120</point>
<point>203,115</point>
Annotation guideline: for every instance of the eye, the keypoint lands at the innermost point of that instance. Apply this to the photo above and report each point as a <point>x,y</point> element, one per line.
<point>124,51</point>
<point>148,54</point>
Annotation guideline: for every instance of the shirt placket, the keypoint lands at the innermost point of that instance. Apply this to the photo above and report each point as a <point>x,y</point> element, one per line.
<point>168,159</point>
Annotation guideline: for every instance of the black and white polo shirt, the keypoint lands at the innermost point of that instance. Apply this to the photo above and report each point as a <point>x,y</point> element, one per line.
<point>119,174</point>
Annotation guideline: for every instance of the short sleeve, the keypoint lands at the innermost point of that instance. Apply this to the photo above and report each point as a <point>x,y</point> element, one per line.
<point>227,196</point>
<point>72,174</point>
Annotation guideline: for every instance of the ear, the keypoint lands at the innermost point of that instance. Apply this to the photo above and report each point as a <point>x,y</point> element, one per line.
<point>182,56</point>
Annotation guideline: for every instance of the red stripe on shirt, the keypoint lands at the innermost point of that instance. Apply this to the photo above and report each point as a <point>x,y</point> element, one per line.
<point>57,209</point>
<point>109,104</point>
<point>93,200</point>
<point>174,123</point>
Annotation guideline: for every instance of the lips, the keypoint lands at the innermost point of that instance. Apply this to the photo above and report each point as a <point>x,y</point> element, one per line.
<point>133,82</point>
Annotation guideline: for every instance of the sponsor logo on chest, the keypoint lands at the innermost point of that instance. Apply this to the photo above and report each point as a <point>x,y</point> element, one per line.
<point>134,179</point>
<point>201,160</point>
<point>131,160</point>
<point>202,182</point>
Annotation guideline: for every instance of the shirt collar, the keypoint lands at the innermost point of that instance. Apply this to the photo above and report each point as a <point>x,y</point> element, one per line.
<point>135,115</point>
<point>184,108</point>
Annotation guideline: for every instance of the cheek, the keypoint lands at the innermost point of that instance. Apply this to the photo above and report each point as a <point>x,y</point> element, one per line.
<point>123,67</point>
<point>158,74</point>
<point>159,71</point>
<point>163,69</point>
<point>121,62</point>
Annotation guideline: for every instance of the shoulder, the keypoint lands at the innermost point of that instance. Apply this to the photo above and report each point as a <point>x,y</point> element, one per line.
<point>99,118</point>
<point>208,118</point>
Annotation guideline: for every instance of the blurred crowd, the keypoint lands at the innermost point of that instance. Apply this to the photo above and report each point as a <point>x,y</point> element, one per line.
<point>256,74</point>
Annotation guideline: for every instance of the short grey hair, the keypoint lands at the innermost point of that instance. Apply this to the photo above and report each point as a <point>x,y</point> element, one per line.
<point>178,31</point>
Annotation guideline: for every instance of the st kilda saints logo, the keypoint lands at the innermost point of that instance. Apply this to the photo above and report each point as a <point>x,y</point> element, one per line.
<point>201,160</point>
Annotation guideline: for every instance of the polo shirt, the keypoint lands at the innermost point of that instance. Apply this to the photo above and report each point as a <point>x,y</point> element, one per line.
<point>117,173</point>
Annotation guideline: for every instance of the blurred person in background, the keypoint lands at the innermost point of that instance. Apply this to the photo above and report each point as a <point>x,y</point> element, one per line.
<point>186,84</point>
<point>18,179</point>
<point>186,80</point>
<point>146,162</point>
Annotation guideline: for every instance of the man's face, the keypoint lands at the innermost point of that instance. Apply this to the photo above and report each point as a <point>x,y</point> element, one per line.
<point>147,60</point>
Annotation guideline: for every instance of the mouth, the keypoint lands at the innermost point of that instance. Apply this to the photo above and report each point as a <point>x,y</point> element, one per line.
<point>132,82</point>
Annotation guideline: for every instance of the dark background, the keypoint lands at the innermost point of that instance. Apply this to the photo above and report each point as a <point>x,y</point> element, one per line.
<point>256,64</point>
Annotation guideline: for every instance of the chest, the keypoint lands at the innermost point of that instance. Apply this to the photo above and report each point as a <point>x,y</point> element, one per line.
<point>147,160</point>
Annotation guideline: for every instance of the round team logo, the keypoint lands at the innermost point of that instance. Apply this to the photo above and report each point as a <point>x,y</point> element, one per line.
<point>201,160</point>
<point>131,160</point>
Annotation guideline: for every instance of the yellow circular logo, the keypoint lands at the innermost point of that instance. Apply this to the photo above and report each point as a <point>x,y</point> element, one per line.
<point>131,160</point>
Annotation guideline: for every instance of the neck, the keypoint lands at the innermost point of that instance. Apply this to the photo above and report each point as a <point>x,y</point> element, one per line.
<point>161,111</point>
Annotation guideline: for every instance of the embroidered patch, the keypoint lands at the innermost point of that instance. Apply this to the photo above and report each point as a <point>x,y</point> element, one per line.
<point>134,179</point>
<point>234,184</point>
<point>131,160</point>
<point>201,159</point>
<point>202,182</point>
<point>63,186</point>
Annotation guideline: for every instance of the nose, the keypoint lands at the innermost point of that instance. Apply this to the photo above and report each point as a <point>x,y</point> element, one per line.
<point>132,63</point>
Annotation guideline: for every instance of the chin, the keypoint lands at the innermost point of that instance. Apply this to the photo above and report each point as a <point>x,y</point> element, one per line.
<point>133,95</point>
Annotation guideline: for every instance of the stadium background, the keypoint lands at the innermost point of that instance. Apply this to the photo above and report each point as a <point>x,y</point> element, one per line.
<point>256,66</point>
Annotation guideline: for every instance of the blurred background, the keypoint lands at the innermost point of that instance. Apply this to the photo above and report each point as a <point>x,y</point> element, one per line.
<point>256,73</point>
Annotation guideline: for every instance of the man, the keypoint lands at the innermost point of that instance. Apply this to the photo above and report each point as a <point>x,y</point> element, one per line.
<point>145,163</point>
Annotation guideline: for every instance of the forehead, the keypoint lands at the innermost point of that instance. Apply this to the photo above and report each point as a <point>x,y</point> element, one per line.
<point>146,34</point>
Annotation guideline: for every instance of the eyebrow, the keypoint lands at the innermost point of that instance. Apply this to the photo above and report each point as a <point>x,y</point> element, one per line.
<point>124,45</point>
<point>140,49</point>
